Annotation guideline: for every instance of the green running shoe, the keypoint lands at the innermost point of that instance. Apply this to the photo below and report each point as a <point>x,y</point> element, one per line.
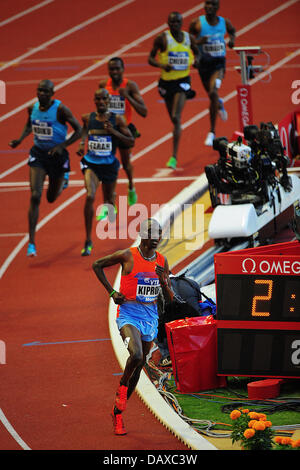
<point>172,163</point>
<point>106,212</point>
<point>86,251</point>
<point>103,214</point>
<point>132,196</point>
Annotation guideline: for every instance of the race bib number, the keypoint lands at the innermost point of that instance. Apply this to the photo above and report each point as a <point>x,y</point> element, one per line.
<point>42,130</point>
<point>100,146</point>
<point>117,104</point>
<point>147,287</point>
<point>178,60</point>
<point>214,48</point>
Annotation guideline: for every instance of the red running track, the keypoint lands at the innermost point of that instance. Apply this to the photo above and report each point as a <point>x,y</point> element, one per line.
<point>60,376</point>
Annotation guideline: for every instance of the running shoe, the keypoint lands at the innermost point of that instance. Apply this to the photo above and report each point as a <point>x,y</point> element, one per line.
<point>222,111</point>
<point>86,251</point>
<point>118,423</point>
<point>103,214</point>
<point>172,163</point>
<point>31,250</point>
<point>66,180</point>
<point>209,139</point>
<point>121,397</point>
<point>132,196</point>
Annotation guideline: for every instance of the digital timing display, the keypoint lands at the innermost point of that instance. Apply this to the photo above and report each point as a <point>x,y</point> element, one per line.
<point>255,298</point>
<point>258,325</point>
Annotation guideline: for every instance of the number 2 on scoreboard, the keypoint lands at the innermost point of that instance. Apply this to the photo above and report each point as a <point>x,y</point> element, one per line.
<point>269,285</point>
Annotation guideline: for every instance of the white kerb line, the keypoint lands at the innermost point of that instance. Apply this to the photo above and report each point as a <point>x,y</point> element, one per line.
<point>12,431</point>
<point>24,12</point>
<point>66,33</point>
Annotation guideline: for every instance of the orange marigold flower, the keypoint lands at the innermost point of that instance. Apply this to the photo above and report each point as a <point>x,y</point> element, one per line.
<point>259,426</point>
<point>286,441</point>
<point>251,423</point>
<point>278,439</point>
<point>245,411</point>
<point>235,414</point>
<point>296,443</point>
<point>268,424</point>
<point>262,416</point>
<point>249,433</point>
<point>253,415</point>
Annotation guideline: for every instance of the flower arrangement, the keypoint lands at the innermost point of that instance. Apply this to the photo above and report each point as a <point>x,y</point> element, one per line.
<point>286,443</point>
<point>251,429</point>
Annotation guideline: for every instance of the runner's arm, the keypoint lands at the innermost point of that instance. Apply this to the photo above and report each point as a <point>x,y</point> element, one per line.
<point>231,32</point>
<point>26,131</point>
<point>132,93</point>
<point>84,134</point>
<point>119,257</point>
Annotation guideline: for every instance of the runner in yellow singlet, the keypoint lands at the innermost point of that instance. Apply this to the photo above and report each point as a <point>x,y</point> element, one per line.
<point>174,51</point>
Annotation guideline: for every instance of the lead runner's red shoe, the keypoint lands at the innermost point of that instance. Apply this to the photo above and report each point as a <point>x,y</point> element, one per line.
<point>118,423</point>
<point>121,397</point>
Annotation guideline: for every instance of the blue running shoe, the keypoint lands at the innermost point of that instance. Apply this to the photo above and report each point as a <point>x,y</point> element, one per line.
<point>31,250</point>
<point>66,180</point>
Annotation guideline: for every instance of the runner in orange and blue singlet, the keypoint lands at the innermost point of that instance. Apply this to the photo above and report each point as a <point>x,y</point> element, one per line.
<point>124,97</point>
<point>144,272</point>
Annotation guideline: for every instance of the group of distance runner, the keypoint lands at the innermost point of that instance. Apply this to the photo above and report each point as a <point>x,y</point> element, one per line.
<point>110,126</point>
<point>144,270</point>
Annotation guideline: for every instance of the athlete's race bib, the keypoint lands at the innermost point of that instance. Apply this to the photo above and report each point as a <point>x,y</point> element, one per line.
<point>147,287</point>
<point>215,48</point>
<point>117,104</point>
<point>100,146</point>
<point>178,60</point>
<point>42,130</point>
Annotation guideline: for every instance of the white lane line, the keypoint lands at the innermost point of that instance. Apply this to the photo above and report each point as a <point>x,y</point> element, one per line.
<point>131,55</point>
<point>70,31</point>
<point>12,234</point>
<point>41,224</point>
<point>16,184</point>
<point>24,12</point>
<point>100,63</point>
<point>12,431</point>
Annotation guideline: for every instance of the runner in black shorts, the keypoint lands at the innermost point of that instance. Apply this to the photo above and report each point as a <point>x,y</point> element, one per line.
<point>176,51</point>
<point>209,31</point>
<point>47,120</point>
<point>103,130</point>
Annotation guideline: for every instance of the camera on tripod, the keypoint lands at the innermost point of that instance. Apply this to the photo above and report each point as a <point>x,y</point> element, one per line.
<point>249,167</point>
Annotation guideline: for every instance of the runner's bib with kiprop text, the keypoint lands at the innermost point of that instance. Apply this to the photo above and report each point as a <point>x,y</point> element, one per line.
<point>147,288</point>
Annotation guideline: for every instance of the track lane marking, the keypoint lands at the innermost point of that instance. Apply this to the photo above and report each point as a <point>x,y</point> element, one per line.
<point>70,31</point>
<point>89,69</point>
<point>12,431</point>
<point>24,12</point>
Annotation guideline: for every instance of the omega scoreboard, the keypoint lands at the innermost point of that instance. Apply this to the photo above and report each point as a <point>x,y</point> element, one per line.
<point>258,311</point>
